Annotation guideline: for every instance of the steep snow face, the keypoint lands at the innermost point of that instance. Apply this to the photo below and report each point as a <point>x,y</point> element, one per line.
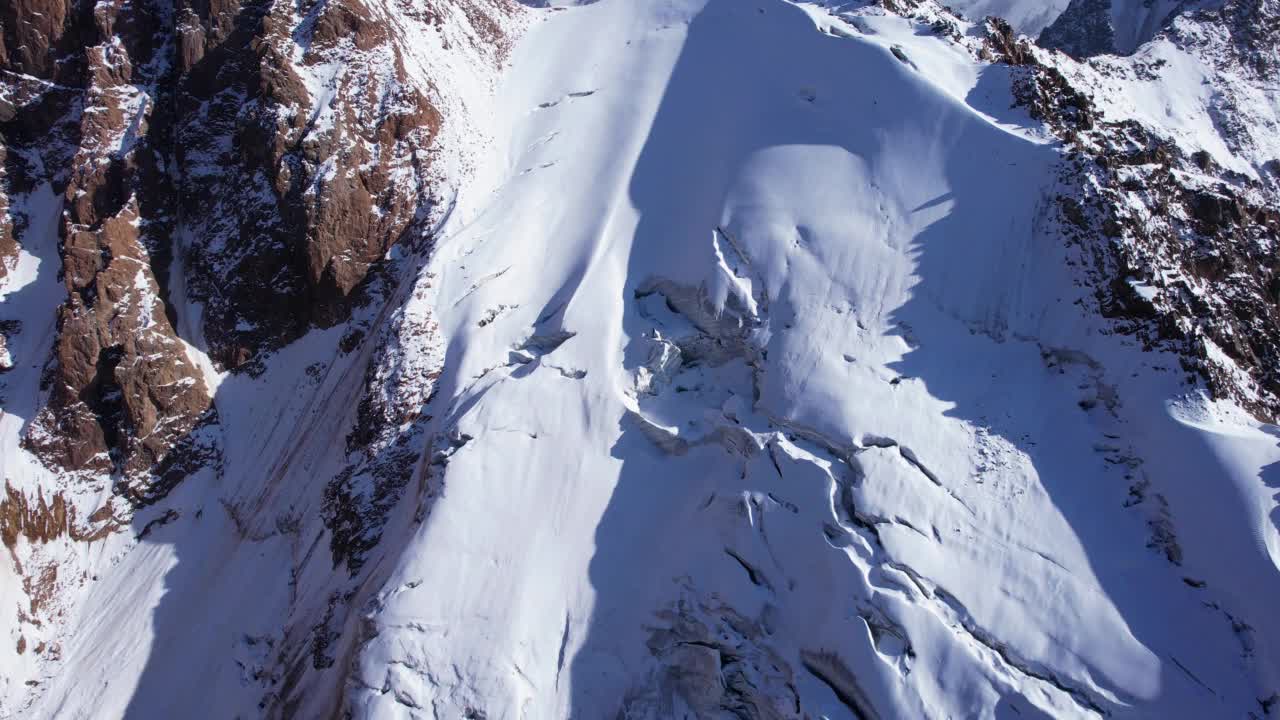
<point>1028,17</point>
<point>753,373</point>
<point>202,597</point>
<point>1096,27</point>
<point>1136,22</point>
<point>767,390</point>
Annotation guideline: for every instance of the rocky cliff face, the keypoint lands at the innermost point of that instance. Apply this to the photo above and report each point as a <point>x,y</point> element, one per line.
<point>209,182</point>
<point>123,396</point>
<point>1189,218</point>
<point>694,358</point>
<point>262,157</point>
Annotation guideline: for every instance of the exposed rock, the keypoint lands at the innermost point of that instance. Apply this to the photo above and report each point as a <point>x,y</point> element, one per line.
<point>39,34</point>
<point>291,203</point>
<point>41,520</point>
<point>8,239</point>
<point>229,175</point>
<point>1003,44</point>
<point>280,209</point>
<point>124,395</point>
<point>714,662</point>
<point>8,328</point>
<point>1084,29</point>
<point>1095,27</point>
<point>1180,251</point>
<point>387,443</point>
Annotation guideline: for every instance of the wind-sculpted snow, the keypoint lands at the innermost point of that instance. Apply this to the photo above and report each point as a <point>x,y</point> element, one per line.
<point>837,439</point>
<point>746,363</point>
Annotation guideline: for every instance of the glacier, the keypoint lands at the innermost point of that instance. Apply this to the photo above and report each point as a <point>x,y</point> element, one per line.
<point>749,378</point>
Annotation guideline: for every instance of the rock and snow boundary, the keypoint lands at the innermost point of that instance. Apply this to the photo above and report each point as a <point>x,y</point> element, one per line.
<point>749,375</point>
<point>794,402</point>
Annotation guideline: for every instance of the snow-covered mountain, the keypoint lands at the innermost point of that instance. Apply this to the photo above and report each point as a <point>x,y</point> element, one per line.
<point>1029,17</point>
<point>639,358</point>
<point>1094,27</point>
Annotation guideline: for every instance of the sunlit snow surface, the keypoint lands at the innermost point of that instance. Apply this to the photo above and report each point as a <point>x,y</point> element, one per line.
<point>744,320</point>
<point>1028,17</point>
<point>872,243</point>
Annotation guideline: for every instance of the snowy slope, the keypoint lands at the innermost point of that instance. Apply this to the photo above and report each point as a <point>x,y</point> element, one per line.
<point>759,343</point>
<point>748,376</point>
<point>1028,17</point>
<point>217,601</point>
<point>1110,26</point>
<point>1085,28</point>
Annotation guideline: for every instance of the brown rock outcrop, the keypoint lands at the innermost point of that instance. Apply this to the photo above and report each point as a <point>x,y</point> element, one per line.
<point>125,392</point>
<point>41,519</point>
<point>1201,239</point>
<point>123,395</point>
<point>303,197</point>
<point>279,150</point>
